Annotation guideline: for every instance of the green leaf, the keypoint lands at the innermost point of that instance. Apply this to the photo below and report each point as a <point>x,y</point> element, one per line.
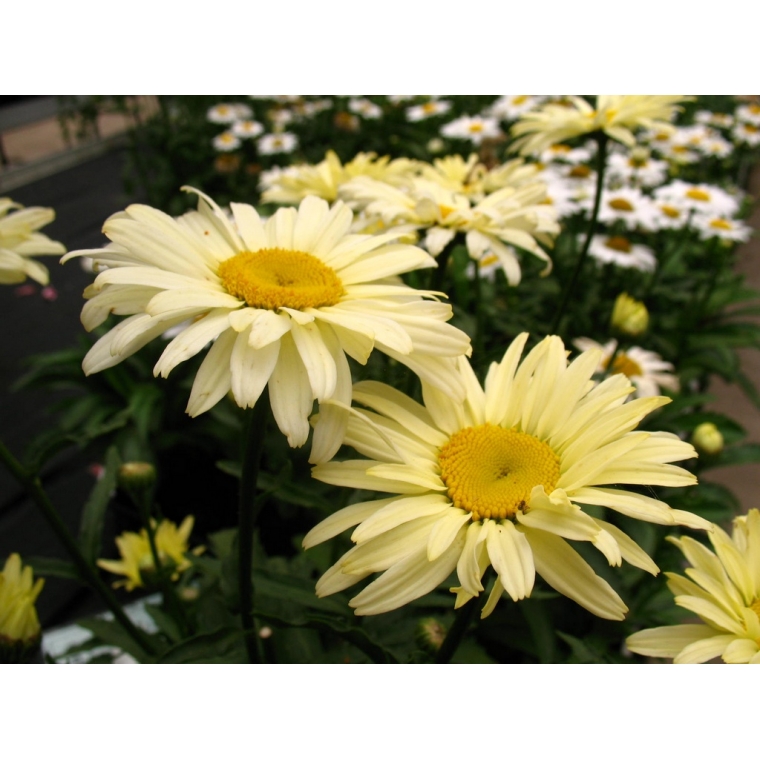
<point>49,567</point>
<point>111,632</point>
<point>345,630</point>
<point>142,408</point>
<point>290,588</point>
<point>224,645</point>
<point>93,514</point>
<point>165,623</point>
<point>747,453</point>
<point>541,627</point>
<point>581,653</point>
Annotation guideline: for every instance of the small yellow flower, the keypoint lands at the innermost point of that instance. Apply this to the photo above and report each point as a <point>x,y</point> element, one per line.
<point>18,593</point>
<point>707,438</point>
<point>137,560</point>
<point>629,316</point>
<point>723,588</point>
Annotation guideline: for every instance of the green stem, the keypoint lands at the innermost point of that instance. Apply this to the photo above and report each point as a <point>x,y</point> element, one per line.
<point>33,486</point>
<point>254,434</point>
<point>439,275</point>
<point>601,158</point>
<point>456,633</point>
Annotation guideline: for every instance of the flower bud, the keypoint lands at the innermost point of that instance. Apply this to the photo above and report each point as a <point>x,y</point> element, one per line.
<point>429,635</point>
<point>20,632</point>
<point>707,439</point>
<point>137,479</point>
<point>629,316</point>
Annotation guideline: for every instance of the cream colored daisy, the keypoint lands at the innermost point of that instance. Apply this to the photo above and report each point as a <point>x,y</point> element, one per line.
<point>19,240</point>
<point>647,370</point>
<point>511,216</point>
<point>619,250</point>
<point>499,480</point>
<point>293,184</point>
<point>616,115</point>
<point>472,128</point>
<point>723,588</point>
<point>284,302</point>
<point>18,593</point>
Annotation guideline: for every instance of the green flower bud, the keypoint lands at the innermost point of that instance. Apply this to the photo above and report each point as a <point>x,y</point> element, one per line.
<point>429,635</point>
<point>629,316</point>
<point>707,439</point>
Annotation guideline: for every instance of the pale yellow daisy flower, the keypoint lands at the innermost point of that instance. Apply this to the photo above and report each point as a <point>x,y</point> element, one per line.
<point>723,588</point>
<point>499,480</point>
<point>615,115</point>
<point>19,240</point>
<point>283,302</point>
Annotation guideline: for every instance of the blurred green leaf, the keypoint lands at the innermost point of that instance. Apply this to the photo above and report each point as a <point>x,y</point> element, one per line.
<point>94,511</point>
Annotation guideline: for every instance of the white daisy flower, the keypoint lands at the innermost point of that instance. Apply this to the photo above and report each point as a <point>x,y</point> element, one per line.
<point>473,128</point>
<point>427,110</point>
<point>247,128</point>
<point>749,113</point>
<point>645,369</point>
<point>720,227</point>
<point>702,198</point>
<point>746,133</point>
<point>500,481</point>
<point>365,108</point>
<point>565,154</point>
<point>636,168</point>
<point>281,142</point>
<point>622,252</point>
<point>511,107</point>
<point>629,205</point>
<point>227,113</point>
<point>714,119</point>
<point>226,142</point>
<point>283,302</point>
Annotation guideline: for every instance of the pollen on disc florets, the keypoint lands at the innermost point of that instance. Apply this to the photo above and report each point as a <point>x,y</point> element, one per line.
<point>490,471</point>
<point>275,277</point>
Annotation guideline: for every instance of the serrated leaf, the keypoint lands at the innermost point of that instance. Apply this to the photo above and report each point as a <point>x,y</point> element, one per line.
<point>93,513</point>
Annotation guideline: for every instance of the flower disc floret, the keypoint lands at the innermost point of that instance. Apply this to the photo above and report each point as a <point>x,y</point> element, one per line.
<point>491,472</point>
<point>274,278</point>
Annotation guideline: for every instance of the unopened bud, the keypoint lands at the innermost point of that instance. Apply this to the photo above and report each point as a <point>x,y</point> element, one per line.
<point>707,438</point>
<point>629,316</point>
<point>429,635</point>
<point>137,479</point>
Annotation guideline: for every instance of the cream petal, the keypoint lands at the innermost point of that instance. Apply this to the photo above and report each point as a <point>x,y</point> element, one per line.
<point>317,359</point>
<point>267,327</point>
<point>493,599</point>
<point>251,369</point>
<point>353,474</point>
<point>212,380</point>
<point>668,640</point>
<point>710,612</point>
<point>249,226</point>
<point>740,651</point>
<point>511,557</point>
<point>398,511</point>
<point>448,527</point>
<point>567,572</point>
<point>634,505</point>
<point>290,394</point>
<point>344,519</point>
<point>703,650</point>
<point>499,380</point>
<point>629,549</point>
<point>473,560</point>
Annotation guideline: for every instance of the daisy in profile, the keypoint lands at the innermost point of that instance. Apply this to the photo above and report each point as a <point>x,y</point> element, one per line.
<point>472,128</point>
<point>616,115</point>
<point>647,370</point>
<point>19,240</point>
<point>283,303</point>
<point>280,142</point>
<point>723,589</point>
<point>619,250</point>
<point>499,481</point>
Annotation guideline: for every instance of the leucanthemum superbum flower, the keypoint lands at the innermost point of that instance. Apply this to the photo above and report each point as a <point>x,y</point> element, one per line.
<point>20,240</point>
<point>511,216</point>
<point>630,206</point>
<point>247,128</point>
<point>722,587</point>
<point>647,370</point>
<point>619,250</point>
<point>472,128</point>
<point>499,480</point>
<point>227,141</point>
<point>723,228</point>
<point>428,110</point>
<point>280,142</point>
<point>365,108</point>
<point>294,183</point>
<point>227,113</point>
<point>283,301</point>
<point>616,115</point>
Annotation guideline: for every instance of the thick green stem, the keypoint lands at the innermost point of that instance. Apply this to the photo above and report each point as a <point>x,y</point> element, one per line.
<point>33,486</point>
<point>254,434</point>
<point>601,163</point>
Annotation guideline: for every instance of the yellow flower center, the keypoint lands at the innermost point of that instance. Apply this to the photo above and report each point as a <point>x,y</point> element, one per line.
<point>475,127</point>
<point>670,211</point>
<point>519,100</point>
<point>721,224</point>
<point>754,108</point>
<point>624,365</point>
<point>751,128</point>
<point>445,211</point>
<point>579,172</point>
<point>429,108</point>
<point>490,471</point>
<point>697,195</point>
<point>618,243</point>
<point>621,204</point>
<point>272,278</point>
<point>560,148</point>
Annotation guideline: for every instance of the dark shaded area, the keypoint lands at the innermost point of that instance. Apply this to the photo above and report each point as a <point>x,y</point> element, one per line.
<point>83,197</point>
